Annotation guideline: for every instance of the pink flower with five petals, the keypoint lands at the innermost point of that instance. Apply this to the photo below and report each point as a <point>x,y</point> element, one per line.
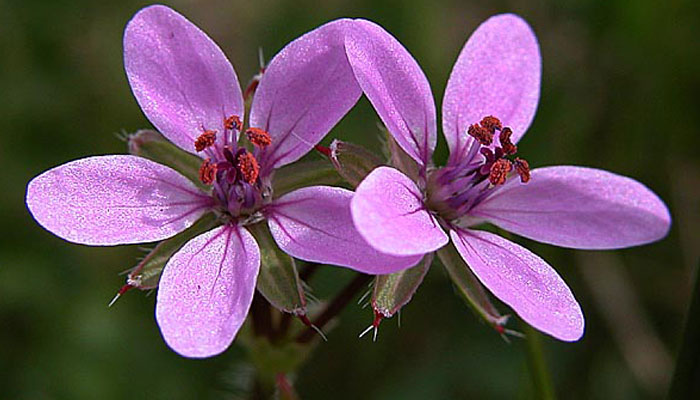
<point>490,101</point>
<point>189,91</point>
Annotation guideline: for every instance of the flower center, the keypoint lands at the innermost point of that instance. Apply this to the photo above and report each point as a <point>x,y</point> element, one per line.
<point>454,189</point>
<point>497,163</point>
<point>233,170</point>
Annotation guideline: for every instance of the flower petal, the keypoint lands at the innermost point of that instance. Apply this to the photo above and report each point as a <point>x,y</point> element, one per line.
<point>497,73</point>
<point>206,290</point>
<point>110,200</point>
<point>314,224</point>
<point>307,88</point>
<point>396,86</point>
<point>388,211</point>
<point>578,207</point>
<point>181,79</point>
<point>525,282</point>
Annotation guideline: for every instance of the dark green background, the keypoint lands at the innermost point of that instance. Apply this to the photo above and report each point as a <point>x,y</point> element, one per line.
<point>620,92</point>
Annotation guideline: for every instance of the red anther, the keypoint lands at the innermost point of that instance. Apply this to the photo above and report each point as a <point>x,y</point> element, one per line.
<point>507,146</point>
<point>248,166</point>
<point>491,124</point>
<point>207,172</point>
<point>522,167</point>
<point>233,122</point>
<point>481,134</point>
<point>258,137</point>
<point>205,140</point>
<point>499,171</point>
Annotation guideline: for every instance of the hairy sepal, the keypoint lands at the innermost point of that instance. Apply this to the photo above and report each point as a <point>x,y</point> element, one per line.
<point>393,291</point>
<point>278,280</point>
<point>469,287</point>
<point>147,273</point>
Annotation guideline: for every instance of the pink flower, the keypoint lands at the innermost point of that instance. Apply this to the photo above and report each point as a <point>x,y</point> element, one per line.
<point>189,91</point>
<point>490,100</point>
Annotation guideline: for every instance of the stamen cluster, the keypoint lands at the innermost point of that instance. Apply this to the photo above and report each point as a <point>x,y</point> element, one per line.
<point>233,170</point>
<point>454,189</point>
<point>497,165</point>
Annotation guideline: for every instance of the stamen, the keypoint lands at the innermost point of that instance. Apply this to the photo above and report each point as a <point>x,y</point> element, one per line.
<point>499,171</point>
<point>481,134</point>
<point>233,122</point>
<point>508,146</point>
<point>523,169</point>
<point>207,172</point>
<point>248,166</point>
<point>491,124</point>
<point>205,140</point>
<point>258,137</point>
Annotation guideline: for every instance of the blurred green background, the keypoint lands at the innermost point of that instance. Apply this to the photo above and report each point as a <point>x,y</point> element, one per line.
<point>620,92</point>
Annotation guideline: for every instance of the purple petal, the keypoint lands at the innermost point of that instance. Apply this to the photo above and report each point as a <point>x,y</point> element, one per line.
<point>181,79</point>
<point>206,290</point>
<point>110,200</point>
<point>314,224</point>
<point>525,282</point>
<point>388,211</point>
<point>497,73</point>
<point>396,86</point>
<point>307,88</point>
<point>578,207</point>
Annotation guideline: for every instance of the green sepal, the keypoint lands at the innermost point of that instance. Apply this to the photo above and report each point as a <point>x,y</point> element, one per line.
<point>304,173</point>
<point>147,273</point>
<point>154,146</point>
<point>393,291</point>
<point>399,159</point>
<point>470,288</point>
<point>278,279</point>
<point>353,162</point>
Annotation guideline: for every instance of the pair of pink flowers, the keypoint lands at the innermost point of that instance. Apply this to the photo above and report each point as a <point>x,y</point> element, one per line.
<point>189,91</point>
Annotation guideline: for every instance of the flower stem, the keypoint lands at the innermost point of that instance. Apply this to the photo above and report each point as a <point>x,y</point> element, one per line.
<point>335,306</point>
<point>537,367</point>
<point>685,378</point>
